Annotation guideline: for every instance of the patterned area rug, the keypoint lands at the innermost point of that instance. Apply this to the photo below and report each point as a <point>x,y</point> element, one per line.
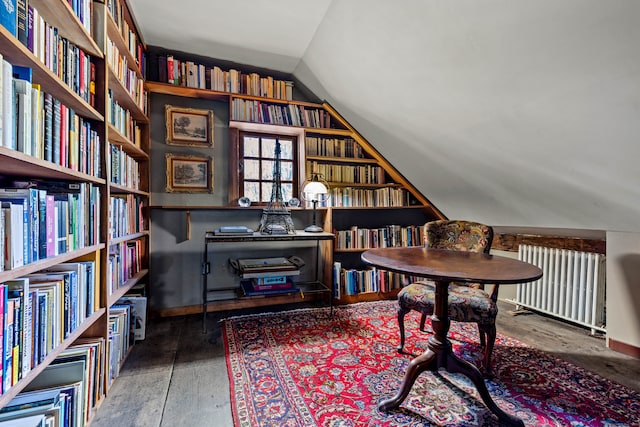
<point>306,368</point>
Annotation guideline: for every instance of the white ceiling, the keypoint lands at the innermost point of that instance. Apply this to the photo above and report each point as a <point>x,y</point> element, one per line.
<point>510,112</point>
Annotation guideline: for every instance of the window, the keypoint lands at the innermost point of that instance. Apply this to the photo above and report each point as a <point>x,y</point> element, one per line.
<point>257,160</point>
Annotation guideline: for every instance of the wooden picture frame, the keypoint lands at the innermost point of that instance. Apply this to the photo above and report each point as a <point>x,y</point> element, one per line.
<point>189,174</point>
<point>189,127</point>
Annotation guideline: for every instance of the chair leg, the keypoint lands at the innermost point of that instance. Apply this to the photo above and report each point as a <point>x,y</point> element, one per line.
<point>490,332</point>
<point>401,313</point>
<point>423,320</point>
<point>482,334</point>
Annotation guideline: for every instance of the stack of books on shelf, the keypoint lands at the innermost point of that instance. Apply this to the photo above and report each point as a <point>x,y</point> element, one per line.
<point>262,276</point>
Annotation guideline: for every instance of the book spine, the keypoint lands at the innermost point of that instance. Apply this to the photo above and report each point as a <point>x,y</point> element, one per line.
<point>8,344</point>
<point>55,134</point>
<point>21,23</point>
<point>50,226</point>
<point>8,106</point>
<point>3,299</point>
<point>48,127</point>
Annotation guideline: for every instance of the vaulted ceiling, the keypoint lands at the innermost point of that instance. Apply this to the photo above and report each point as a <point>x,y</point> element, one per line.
<point>510,112</point>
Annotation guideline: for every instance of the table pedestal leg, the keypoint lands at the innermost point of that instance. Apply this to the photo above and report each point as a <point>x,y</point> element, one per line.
<point>439,354</point>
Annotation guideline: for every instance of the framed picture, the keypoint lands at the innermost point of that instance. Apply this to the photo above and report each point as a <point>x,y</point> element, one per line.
<point>188,126</point>
<point>189,174</point>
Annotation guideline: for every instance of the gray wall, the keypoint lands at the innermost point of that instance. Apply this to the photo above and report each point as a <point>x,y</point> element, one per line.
<point>175,259</point>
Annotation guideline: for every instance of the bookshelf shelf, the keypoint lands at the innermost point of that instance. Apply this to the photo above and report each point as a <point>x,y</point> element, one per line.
<point>126,287</point>
<point>60,15</point>
<point>18,164</point>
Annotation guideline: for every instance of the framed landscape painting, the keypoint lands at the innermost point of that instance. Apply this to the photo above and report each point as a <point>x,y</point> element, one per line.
<point>189,174</point>
<point>188,126</point>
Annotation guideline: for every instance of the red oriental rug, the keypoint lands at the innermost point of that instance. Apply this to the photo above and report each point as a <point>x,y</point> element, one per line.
<point>306,368</point>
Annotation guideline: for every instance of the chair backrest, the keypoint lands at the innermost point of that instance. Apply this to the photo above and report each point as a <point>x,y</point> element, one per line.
<point>458,236</point>
<point>466,236</point>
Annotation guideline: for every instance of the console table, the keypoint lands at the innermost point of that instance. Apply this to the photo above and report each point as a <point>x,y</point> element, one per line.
<point>309,287</point>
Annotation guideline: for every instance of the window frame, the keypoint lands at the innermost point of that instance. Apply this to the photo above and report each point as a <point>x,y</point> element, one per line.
<point>236,188</point>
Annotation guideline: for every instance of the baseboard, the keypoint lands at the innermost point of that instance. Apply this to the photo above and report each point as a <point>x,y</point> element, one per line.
<point>624,348</point>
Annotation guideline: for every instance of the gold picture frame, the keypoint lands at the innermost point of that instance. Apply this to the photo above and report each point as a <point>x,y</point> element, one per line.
<point>189,127</point>
<point>189,174</point>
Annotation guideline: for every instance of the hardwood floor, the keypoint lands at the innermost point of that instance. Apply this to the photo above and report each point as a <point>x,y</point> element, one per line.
<point>177,376</point>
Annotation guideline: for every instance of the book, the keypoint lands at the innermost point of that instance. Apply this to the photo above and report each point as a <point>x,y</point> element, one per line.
<point>8,16</point>
<point>36,121</point>
<point>248,289</point>
<point>21,21</point>
<point>139,313</point>
<point>28,198</point>
<point>259,285</point>
<point>3,308</point>
<point>8,105</point>
<point>19,288</point>
<point>14,235</point>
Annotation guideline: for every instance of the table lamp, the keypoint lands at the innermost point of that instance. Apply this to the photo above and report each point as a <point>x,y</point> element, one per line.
<point>314,190</point>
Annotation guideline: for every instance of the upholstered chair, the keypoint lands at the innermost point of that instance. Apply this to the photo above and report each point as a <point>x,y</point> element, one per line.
<point>468,302</point>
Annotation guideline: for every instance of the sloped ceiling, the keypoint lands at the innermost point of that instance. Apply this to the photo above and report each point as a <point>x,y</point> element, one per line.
<point>510,112</point>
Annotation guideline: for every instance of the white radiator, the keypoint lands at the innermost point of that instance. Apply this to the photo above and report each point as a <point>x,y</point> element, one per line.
<point>572,286</point>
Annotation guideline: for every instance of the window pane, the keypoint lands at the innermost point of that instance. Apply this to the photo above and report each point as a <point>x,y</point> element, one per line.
<point>267,170</point>
<point>268,148</point>
<point>251,169</point>
<point>287,190</point>
<point>266,191</point>
<point>251,146</point>
<point>286,149</point>
<point>252,190</point>
<point>286,171</point>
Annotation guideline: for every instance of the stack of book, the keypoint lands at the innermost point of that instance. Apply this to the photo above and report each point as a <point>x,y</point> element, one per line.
<point>263,276</point>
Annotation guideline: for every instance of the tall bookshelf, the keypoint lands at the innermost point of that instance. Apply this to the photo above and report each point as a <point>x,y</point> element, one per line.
<point>367,191</point>
<point>103,153</point>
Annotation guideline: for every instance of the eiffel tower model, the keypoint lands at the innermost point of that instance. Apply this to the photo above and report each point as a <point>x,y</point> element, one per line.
<point>276,219</point>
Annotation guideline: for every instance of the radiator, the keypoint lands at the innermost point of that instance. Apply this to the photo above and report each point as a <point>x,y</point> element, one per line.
<point>572,286</point>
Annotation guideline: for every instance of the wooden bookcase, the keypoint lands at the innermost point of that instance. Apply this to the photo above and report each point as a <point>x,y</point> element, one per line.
<point>103,38</point>
<point>250,113</point>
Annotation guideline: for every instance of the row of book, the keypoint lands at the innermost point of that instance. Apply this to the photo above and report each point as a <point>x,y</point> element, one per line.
<point>117,11</point>
<point>127,76</point>
<point>333,147</point>
<point>66,60</point>
<point>46,221</point>
<point>34,122</point>
<point>348,174</point>
<point>350,281</point>
<point>122,119</point>
<point>192,74</point>
<point>125,170</point>
<point>364,197</point>
<point>124,261</point>
<point>66,392</point>
<point>279,114</point>
<point>382,237</point>
<point>126,215</point>
<point>39,311</point>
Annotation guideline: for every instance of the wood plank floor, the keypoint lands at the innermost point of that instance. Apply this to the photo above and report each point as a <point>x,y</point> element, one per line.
<point>177,376</point>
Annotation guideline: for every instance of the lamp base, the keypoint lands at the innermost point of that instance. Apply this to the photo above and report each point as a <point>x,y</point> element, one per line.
<point>313,229</point>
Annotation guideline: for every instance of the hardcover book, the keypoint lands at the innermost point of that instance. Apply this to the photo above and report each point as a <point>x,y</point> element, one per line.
<point>8,16</point>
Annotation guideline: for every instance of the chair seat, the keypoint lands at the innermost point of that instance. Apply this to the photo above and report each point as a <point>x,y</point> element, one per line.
<point>466,304</point>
